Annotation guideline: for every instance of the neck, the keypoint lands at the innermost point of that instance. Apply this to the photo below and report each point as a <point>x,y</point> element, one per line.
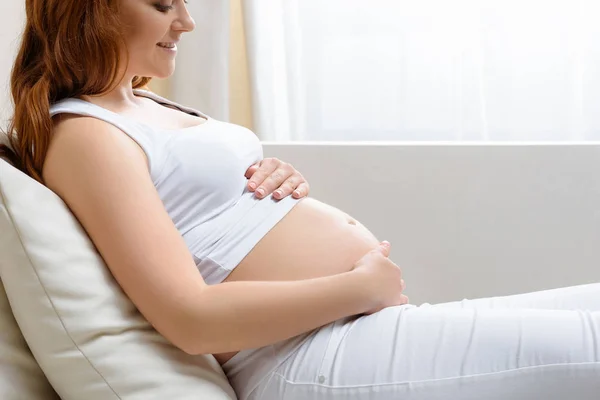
<point>120,97</point>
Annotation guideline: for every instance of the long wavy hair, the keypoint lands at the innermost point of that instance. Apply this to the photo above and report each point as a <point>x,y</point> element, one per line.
<point>69,48</point>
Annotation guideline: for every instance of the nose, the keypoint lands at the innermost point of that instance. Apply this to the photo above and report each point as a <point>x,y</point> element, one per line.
<point>184,22</point>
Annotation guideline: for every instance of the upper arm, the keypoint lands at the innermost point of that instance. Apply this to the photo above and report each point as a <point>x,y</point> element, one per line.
<point>102,175</point>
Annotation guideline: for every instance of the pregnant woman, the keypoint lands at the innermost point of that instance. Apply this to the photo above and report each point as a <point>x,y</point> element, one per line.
<point>295,298</point>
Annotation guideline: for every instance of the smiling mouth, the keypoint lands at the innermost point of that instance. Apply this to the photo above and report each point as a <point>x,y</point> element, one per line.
<point>171,46</point>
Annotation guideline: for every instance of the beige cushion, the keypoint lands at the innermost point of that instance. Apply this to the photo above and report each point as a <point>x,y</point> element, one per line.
<point>20,376</point>
<point>87,336</point>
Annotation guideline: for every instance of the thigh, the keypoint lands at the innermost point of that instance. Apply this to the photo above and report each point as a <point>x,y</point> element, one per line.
<point>409,352</point>
<point>580,297</point>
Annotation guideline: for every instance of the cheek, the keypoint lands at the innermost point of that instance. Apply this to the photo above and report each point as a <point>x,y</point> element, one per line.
<point>141,44</point>
<point>143,33</point>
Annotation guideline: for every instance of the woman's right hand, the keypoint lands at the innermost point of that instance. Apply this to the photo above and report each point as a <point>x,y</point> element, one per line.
<point>382,279</point>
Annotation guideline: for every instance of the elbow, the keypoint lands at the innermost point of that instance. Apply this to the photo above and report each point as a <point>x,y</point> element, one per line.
<point>192,347</point>
<point>190,328</point>
<point>187,341</point>
<point>207,343</point>
<point>185,335</point>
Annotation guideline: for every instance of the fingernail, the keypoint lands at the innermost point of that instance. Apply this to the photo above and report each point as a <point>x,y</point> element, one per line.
<point>385,243</point>
<point>260,191</point>
<point>297,193</point>
<point>252,185</point>
<point>278,193</point>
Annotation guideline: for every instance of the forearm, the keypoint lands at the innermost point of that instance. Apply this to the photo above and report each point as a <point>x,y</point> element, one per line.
<point>240,315</point>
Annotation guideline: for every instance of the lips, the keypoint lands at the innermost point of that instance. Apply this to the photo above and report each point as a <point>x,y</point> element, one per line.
<point>167,45</point>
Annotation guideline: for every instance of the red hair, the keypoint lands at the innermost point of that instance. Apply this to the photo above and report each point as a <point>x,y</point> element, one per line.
<point>69,48</point>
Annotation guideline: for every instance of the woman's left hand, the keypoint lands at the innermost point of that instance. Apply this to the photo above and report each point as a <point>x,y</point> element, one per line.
<point>272,173</point>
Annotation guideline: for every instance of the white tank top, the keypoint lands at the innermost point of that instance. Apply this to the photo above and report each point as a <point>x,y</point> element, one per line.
<point>199,175</point>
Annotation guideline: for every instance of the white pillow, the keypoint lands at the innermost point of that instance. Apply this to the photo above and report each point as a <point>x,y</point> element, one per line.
<point>20,376</point>
<point>87,336</point>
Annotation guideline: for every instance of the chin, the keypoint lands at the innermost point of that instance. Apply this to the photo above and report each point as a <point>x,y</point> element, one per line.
<point>163,74</point>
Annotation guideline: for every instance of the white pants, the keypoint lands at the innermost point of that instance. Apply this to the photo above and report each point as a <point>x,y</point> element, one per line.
<point>543,345</point>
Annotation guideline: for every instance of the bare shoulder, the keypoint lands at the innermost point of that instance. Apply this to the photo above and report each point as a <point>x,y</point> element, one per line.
<point>102,176</point>
<point>78,130</point>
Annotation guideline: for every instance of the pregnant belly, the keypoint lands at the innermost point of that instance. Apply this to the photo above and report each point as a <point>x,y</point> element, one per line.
<point>313,240</point>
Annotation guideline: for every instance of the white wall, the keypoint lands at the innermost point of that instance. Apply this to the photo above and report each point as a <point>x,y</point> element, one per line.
<point>12,19</point>
<point>467,221</point>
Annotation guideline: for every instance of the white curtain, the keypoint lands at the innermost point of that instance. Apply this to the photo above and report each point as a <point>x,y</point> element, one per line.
<point>426,70</point>
<point>201,79</point>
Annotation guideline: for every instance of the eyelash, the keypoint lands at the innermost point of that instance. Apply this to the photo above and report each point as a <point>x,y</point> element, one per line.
<point>165,9</point>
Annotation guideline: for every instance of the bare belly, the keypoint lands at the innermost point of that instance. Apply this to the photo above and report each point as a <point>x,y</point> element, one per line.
<point>313,240</point>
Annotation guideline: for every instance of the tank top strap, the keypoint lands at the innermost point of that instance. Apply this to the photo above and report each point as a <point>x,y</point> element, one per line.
<point>82,107</point>
<point>161,100</point>
<point>144,137</point>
